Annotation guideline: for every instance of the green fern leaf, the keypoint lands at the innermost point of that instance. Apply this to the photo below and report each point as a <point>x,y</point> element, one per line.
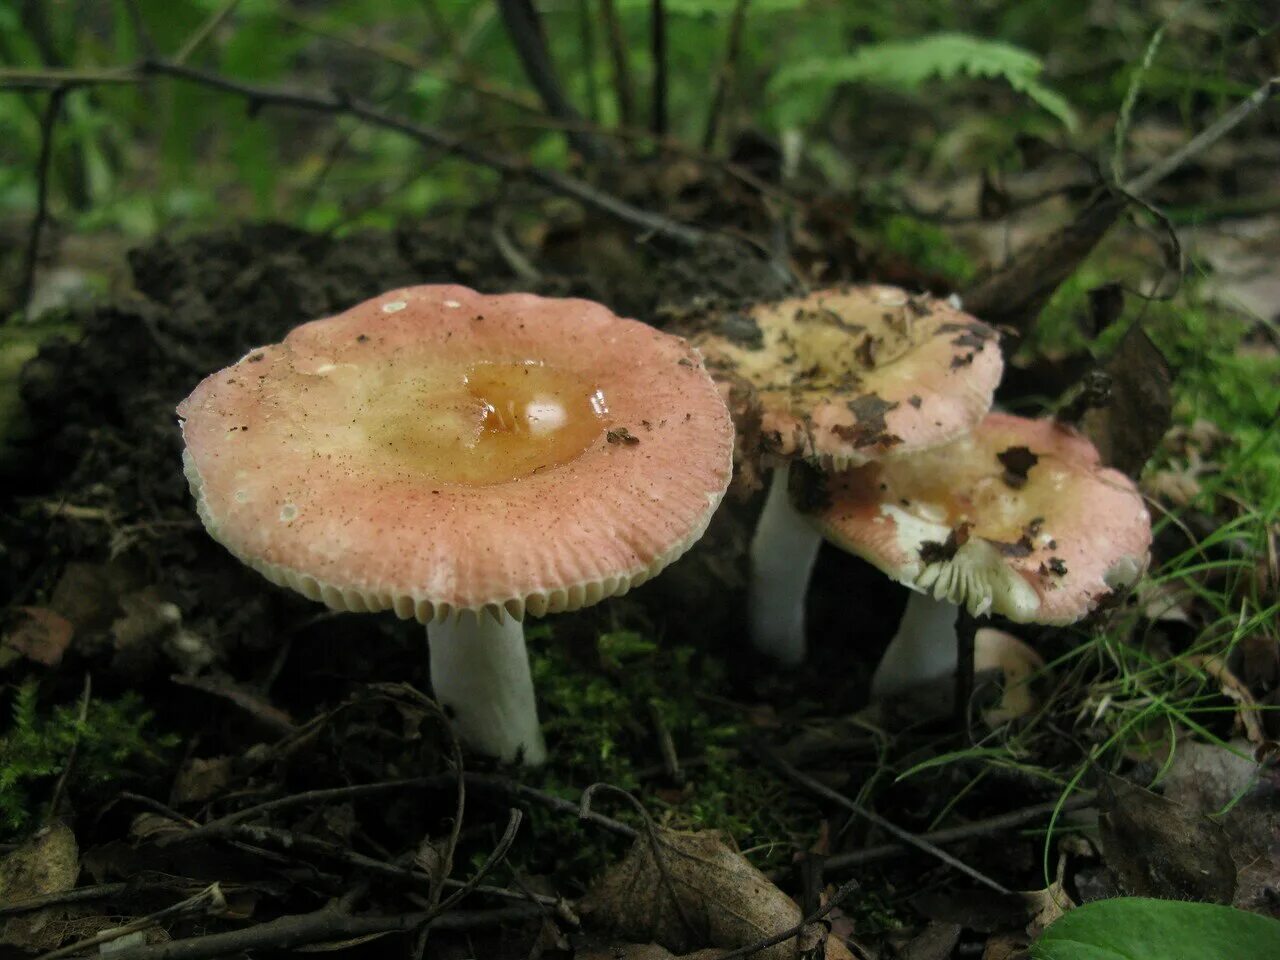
<point>907,65</point>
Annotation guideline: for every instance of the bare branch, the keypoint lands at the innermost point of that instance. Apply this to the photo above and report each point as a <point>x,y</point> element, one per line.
<point>621,62</point>
<point>905,836</point>
<point>658,45</point>
<point>258,96</point>
<point>328,923</point>
<point>524,27</point>
<point>205,30</point>
<point>724,77</point>
<point>48,121</point>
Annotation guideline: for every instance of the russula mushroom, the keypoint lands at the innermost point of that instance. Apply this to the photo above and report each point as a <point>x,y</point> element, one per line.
<point>1018,518</point>
<point>464,460</point>
<point>843,377</point>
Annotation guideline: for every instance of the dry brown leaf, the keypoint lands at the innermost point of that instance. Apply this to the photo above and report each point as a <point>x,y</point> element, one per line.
<point>201,779</point>
<point>41,635</point>
<point>686,891</point>
<point>1159,848</point>
<point>47,863</point>
<point>1233,689</point>
<point>1017,663</point>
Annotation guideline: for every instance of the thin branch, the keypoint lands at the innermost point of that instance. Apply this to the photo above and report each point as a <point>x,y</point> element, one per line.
<point>258,96</point>
<point>100,891</point>
<point>524,28</point>
<point>841,894</point>
<point>905,836</point>
<point>328,923</point>
<point>658,45</point>
<point>1015,294</point>
<point>146,42</point>
<point>85,696</point>
<point>725,75</point>
<point>407,58</point>
<point>205,30</point>
<point>1205,139</point>
<point>208,902</point>
<point>48,120</point>
<point>967,831</point>
<point>484,783</point>
<point>621,62</point>
<point>587,37</point>
<point>21,79</point>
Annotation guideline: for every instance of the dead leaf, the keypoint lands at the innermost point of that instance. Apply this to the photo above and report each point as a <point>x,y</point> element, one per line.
<point>936,942</point>
<point>47,863</point>
<point>1210,778</point>
<point>1017,663</point>
<point>201,779</point>
<point>1129,428</point>
<point>1248,715</point>
<point>690,890</point>
<point>40,635</point>
<point>1159,848</point>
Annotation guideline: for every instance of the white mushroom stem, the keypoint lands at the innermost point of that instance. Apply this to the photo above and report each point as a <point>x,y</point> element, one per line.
<point>922,651</point>
<point>480,674</point>
<point>783,552</point>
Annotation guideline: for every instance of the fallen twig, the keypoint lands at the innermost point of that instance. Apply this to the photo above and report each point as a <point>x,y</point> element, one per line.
<point>920,843</point>
<point>1015,294</point>
<point>328,923</point>
<point>763,944</point>
<point>208,902</point>
<point>99,891</point>
<point>978,828</point>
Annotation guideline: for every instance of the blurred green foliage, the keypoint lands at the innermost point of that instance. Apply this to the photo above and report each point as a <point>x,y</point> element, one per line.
<point>144,158</point>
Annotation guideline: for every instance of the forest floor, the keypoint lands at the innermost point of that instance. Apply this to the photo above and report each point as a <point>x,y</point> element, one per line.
<point>163,691</point>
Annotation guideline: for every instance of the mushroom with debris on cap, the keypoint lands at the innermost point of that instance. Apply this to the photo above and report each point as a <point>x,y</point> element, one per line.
<point>462,459</point>
<point>842,377</point>
<point>1019,518</point>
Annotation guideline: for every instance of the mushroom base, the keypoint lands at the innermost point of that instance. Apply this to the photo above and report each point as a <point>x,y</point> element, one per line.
<point>923,650</point>
<point>783,552</point>
<point>480,674</point>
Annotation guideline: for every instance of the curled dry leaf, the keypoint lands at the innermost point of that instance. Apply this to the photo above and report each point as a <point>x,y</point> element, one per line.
<point>1127,430</point>
<point>1017,663</point>
<point>1248,714</point>
<point>40,635</point>
<point>686,891</point>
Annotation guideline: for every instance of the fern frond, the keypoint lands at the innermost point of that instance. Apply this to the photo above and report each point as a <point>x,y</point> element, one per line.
<point>907,65</point>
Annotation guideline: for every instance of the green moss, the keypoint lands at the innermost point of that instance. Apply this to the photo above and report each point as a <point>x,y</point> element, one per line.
<point>926,246</point>
<point>112,745</point>
<point>600,724</point>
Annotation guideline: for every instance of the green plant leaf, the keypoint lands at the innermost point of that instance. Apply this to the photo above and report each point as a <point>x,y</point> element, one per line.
<point>1135,928</point>
<point>906,65</point>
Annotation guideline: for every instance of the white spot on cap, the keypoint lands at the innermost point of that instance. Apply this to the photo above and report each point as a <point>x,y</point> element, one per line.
<point>452,304</point>
<point>288,512</point>
<point>326,367</point>
<point>394,306</point>
<point>242,496</point>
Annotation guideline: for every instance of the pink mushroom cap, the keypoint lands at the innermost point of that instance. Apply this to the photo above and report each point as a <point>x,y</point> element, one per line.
<point>434,450</point>
<point>1018,518</point>
<point>856,374</point>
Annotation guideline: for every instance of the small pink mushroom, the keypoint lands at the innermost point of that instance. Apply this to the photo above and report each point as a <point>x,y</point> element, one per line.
<point>1018,518</point>
<point>844,377</point>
